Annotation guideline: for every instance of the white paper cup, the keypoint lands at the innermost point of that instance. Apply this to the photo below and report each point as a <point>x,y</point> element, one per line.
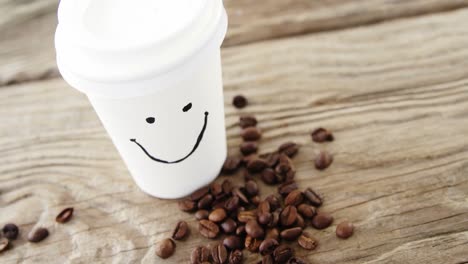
<point>160,98</point>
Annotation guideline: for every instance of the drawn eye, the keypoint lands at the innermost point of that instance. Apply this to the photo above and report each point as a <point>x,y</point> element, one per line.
<point>187,107</point>
<point>150,120</point>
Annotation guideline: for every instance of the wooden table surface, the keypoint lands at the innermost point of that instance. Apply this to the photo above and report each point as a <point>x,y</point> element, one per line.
<point>390,78</point>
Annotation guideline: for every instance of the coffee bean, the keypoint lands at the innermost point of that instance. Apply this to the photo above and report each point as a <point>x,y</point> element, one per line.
<point>251,134</point>
<point>248,147</point>
<point>252,244</point>
<point>291,234</point>
<point>288,216</point>
<point>65,215</point>
<point>256,165</point>
<point>246,216</point>
<point>219,254</point>
<point>38,235</point>
<point>165,248</point>
<point>274,219</point>
<point>254,230</point>
<point>202,214</point>
<point>322,220</point>
<point>229,226</point>
<point>264,218</point>
<point>231,164</point>
<point>240,230</point>
<point>268,246</point>
<point>187,205</point>
<point>205,202</point>
<point>227,186</point>
<point>272,233</point>
<point>289,148</point>
<point>4,244</point>
<point>255,200</point>
<point>274,202</point>
<point>208,229</point>
<point>233,242</point>
<point>321,135</point>
<point>10,231</point>
<point>307,211</point>
<point>269,176</point>
<point>247,121</point>
<point>216,189</point>
<point>344,230</point>
<point>271,159</point>
<point>239,193</point>
<point>285,170</point>
<point>251,188</point>
<point>217,215</point>
<point>200,255</point>
<point>294,198</point>
<point>313,197</point>
<point>239,101</point>
<point>296,260</point>
<point>282,254</point>
<point>323,160</point>
<point>300,222</point>
<point>263,207</point>
<point>306,241</point>
<point>236,257</point>
<point>232,203</point>
<point>181,231</point>
<point>287,187</point>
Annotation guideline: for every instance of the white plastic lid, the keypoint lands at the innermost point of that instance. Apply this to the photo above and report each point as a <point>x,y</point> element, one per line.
<point>110,42</point>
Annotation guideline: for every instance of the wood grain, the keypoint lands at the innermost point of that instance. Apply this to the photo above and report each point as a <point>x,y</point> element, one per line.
<point>27,27</point>
<point>395,95</point>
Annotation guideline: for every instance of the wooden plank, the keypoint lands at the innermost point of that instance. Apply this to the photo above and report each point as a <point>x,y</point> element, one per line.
<point>395,95</point>
<point>27,28</point>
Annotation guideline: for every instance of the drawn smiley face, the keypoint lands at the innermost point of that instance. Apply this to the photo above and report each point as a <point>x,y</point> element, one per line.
<point>152,120</point>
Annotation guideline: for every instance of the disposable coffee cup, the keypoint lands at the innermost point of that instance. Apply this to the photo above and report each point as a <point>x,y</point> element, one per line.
<point>152,71</point>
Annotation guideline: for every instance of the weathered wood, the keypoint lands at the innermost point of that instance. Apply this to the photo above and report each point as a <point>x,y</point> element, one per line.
<point>27,27</point>
<point>395,95</point>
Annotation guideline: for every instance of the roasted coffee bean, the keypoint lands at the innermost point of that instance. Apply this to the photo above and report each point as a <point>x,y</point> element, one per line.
<point>4,244</point>
<point>251,188</point>
<point>217,215</point>
<point>65,215</point>
<point>202,214</point>
<point>263,207</point>
<point>208,229</point>
<point>274,219</point>
<point>233,242</point>
<point>269,176</point>
<point>321,135</point>
<point>231,164</point>
<point>288,216</point>
<point>285,169</point>
<point>267,259</point>
<point>272,233</point>
<point>274,202</point>
<point>296,260</point>
<point>252,244</point>
<point>236,257</point>
<point>240,230</point>
<point>245,216</point>
<point>10,231</point>
<point>344,230</point>
<point>294,198</point>
<point>197,195</point>
<point>289,148</point>
<point>247,121</point>
<point>216,189</point>
<point>248,158</point>
<point>323,160</point>
<point>38,235</point>
<point>271,159</point>
<point>219,203</point>
<point>306,241</point>
<point>181,231</point>
<point>307,211</point>
<point>219,254</point>
<point>239,101</point>
<point>256,165</point>
<point>255,200</point>
<point>227,186</point>
<point>313,197</point>
<point>282,254</point>
<point>248,147</point>
<point>291,234</point>
<point>287,187</point>
<point>239,193</point>
<point>229,226</point>
<point>251,134</point>
<point>322,220</point>
<point>268,246</point>
<point>254,230</point>
<point>232,203</point>
<point>187,205</point>
<point>165,248</point>
<point>205,202</point>
<point>200,255</point>
<point>265,218</point>
<point>300,222</point>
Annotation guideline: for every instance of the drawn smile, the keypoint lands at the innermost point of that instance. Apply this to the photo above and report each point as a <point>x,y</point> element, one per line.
<point>197,143</point>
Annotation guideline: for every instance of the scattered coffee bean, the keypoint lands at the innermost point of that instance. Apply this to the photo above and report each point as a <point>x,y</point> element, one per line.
<point>231,165</point>
<point>208,229</point>
<point>216,189</point>
<point>200,255</point>
<point>254,230</point>
<point>344,230</point>
<point>236,257</point>
<point>197,195</point>
<point>300,222</point>
<point>256,165</point>
<point>247,121</point>
<point>274,202</point>
<point>239,101</point>
<point>255,200</point>
<point>10,231</point>
<point>269,176</point>
<point>291,234</point>
<point>268,246</point>
<point>267,259</point>
<point>296,260</point>
<point>181,231</point>
<point>321,135</point>
<point>246,216</point>
<point>282,254</point>
<point>252,244</point>
<point>287,187</point>
<point>307,211</point>
<point>219,254</point>
<point>229,226</point>
<point>289,148</point>
<point>273,233</point>
<point>288,216</point>
<point>165,248</point>
<point>65,215</point>
<point>313,197</point>
<point>323,160</point>
<point>232,203</point>
<point>263,207</point>
<point>240,230</point>
<point>274,219</point>
<point>265,218</point>
<point>205,202</point>
<point>306,241</point>
<point>294,198</point>
<point>251,188</point>
<point>4,244</point>
<point>322,220</point>
<point>251,134</point>
<point>187,205</point>
<point>272,159</point>
<point>217,215</point>
<point>202,214</point>
<point>227,186</point>
<point>285,169</point>
<point>239,193</point>
<point>233,242</point>
<point>38,235</point>
<point>248,147</point>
